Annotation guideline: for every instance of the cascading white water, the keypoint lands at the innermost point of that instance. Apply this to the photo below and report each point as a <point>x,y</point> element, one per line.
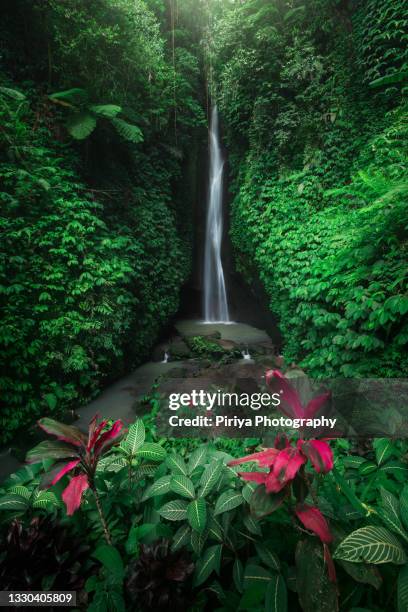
<point>215,294</point>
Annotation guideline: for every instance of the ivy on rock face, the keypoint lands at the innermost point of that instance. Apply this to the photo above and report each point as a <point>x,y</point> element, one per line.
<point>318,163</point>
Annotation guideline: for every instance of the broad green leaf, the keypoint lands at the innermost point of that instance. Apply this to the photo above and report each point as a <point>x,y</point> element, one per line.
<point>362,572</point>
<point>210,477</point>
<point>81,125</point>
<point>45,499</point>
<point>263,503</point>
<point>315,591</point>
<point>227,501</point>
<point>215,529</point>
<point>383,448</point>
<point>276,598</point>
<point>12,93</point>
<point>181,537</point>
<point>267,555</point>
<point>75,96</point>
<point>110,558</point>
<point>182,485</point>
<point>248,490</point>
<point>389,512</point>
<point>197,458</point>
<point>176,464</point>
<point>175,510</point>
<point>52,450</point>
<point>197,514</point>
<point>20,490</point>
<point>402,593</point>
<point>404,505</point>
<point>151,451</point>
<point>208,563</point>
<point>135,437</point>
<point>109,111</point>
<point>238,575</point>
<point>13,502</point>
<point>159,487</point>
<point>372,545</point>
<point>128,131</point>
<point>198,540</point>
<point>255,574</point>
<point>66,433</point>
<point>252,525</point>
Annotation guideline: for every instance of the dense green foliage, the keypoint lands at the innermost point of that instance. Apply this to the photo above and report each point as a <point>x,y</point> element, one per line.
<point>229,545</point>
<point>316,125</point>
<point>96,239</point>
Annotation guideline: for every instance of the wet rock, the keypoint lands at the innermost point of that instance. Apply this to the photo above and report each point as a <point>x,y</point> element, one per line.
<point>178,350</point>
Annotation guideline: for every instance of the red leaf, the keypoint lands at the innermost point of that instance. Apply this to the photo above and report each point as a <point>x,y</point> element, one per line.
<point>319,453</point>
<point>259,477</point>
<point>72,495</point>
<point>67,468</point>
<point>314,520</point>
<point>265,458</point>
<point>287,464</point>
<point>315,404</point>
<point>108,436</point>
<point>290,401</point>
<point>94,432</point>
<point>330,564</point>
<point>66,433</point>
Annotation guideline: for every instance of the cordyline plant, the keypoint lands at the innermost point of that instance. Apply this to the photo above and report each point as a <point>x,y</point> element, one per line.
<point>83,452</point>
<point>286,463</point>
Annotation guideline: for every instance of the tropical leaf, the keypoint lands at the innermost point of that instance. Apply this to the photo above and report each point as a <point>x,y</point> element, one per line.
<point>255,574</point>
<point>227,501</point>
<point>276,598</point>
<point>175,510</point>
<point>182,485</point>
<point>208,563</point>
<point>238,575</point>
<point>160,487</point>
<point>151,451</point>
<point>66,433</point>
<point>110,558</point>
<point>181,537</point>
<point>371,545</point>
<point>13,502</point>
<point>176,464</point>
<point>197,514</point>
<point>267,555</point>
<point>50,449</point>
<point>197,458</point>
<point>73,96</point>
<point>210,477</point>
<point>81,125</point>
<point>128,131</point>
<point>198,540</point>
<point>12,93</point>
<point>136,437</point>
<point>404,505</point>
<point>46,499</point>
<point>402,593</point>
<point>390,513</point>
<point>109,111</point>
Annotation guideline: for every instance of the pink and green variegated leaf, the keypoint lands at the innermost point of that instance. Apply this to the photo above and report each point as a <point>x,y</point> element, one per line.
<point>72,495</point>
<point>287,464</point>
<point>66,433</point>
<point>108,438</point>
<point>64,470</point>
<point>265,458</point>
<point>319,454</point>
<point>314,520</point>
<point>259,477</point>
<point>94,430</point>
<point>316,404</point>
<point>50,450</point>
<point>290,402</point>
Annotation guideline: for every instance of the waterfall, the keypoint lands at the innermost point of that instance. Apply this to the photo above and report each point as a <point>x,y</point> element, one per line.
<point>215,295</point>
